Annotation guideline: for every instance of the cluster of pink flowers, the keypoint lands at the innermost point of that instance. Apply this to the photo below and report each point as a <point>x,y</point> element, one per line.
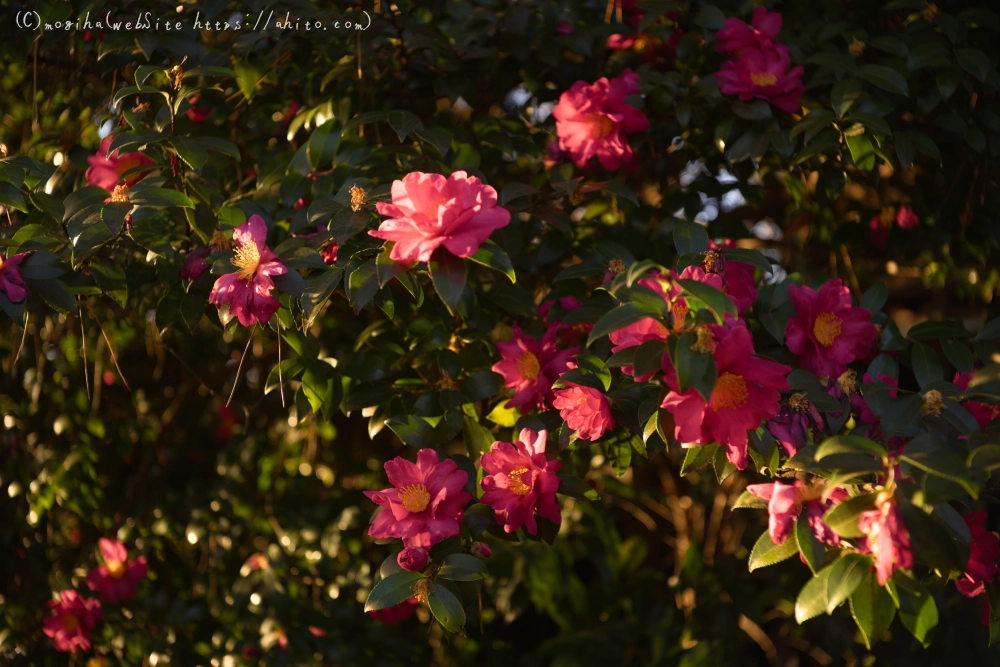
<point>881,223</point>
<point>73,616</point>
<point>593,119</point>
<point>759,65</point>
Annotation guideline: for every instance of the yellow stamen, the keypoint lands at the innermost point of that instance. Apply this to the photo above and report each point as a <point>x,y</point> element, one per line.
<point>933,403</point>
<point>644,41</point>
<point>856,47</point>
<point>70,622</point>
<point>799,402</point>
<point>247,260</point>
<point>116,568</point>
<point>517,486</point>
<point>712,258</point>
<point>730,391</point>
<point>680,310</point>
<point>219,242</point>
<point>763,79</point>
<point>705,343</point>
<point>616,266</point>
<point>120,194</point>
<point>848,382</point>
<point>358,198</point>
<point>528,366</point>
<point>601,125</point>
<point>826,328</point>
<point>414,497</point>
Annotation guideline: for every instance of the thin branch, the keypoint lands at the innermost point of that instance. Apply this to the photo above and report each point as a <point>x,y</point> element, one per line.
<point>281,382</point>
<point>240,367</point>
<point>850,270</point>
<point>111,349</point>
<point>83,344</point>
<point>23,336</point>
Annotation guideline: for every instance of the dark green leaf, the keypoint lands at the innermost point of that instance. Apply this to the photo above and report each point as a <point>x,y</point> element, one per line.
<point>462,567</point>
<point>873,609</point>
<point>690,237</point>
<point>449,275</point>
<point>392,590</point>
<point>845,576</point>
<point>494,257</point>
<point>885,78</point>
<point>697,457</point>
<point>765,552</point>
<point>446,608</point>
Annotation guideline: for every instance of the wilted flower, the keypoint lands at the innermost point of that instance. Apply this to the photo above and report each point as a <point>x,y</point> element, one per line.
<point>593,119</point>
<point>429,211</point>
<point>886,538</point>
<point>827,332</point>
<point>72,619</point>
<point>982,567</point>
<point>195,263</point>
<point>787,501</point>
<point>792,425</point>
<point>518,481</point>
<point>585,409</point>
<point>248,290</point>
<point>425,502</point>
<point>118,579</point>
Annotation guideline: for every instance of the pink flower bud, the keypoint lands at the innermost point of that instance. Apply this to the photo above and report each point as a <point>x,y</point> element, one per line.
<point>481,550</point>
<point>413,559</point>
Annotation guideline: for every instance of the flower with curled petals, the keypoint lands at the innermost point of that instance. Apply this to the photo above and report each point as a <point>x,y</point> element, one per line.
<point>248,290</point>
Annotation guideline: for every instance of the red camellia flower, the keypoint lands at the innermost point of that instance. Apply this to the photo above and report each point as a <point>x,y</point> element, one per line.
<point>984,413</point>
<point>11,283</point>
<point>425,504</point>
<point>586,411</point>
<point>518,481</point>
<point>531,367</point>
<point>827,332</point>
<point>593,119</point>
<point>886,538</point>
<point>195,113</point>
<point>248,290</point>
<point>787,501</point>
<point>982,567</point>
<point>106,172</point>
<point>745,393</point>
<point>735,35</point>
<point>195,263</point>
<point>118,579</point>
<point>429,211</point>
<point>72,619</point>
<point>397,614</point>
<point>763,73</point>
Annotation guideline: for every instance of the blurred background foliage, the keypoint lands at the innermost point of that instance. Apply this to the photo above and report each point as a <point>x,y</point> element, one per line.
<point>114,418</point>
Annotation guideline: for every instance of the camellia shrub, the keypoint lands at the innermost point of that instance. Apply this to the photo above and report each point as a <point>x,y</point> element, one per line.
<point>472,331</point>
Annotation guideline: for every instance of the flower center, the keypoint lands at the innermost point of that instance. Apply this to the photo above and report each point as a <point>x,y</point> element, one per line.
<point>730,391</point>
<point>600,125</point>
<point>116,568</point>
<point>518,487</point>
<point>70,622</point>
<point>528,367</point>
<point>827,328</point>
<point>414,497</point>
<point>763,79</point>
<point>247,260</point>
<point>644,41</point>
<point>799,402</point>
<point>705,343</point>
<point>848,381</point>
<point>680,310</point>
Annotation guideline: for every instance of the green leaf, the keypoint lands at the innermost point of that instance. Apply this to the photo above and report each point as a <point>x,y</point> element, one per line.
<point>811,601</point>
<point>54,293</point>
<point>323,144</point>
<point>392,590</point>
<point>917,608</point>
<point>755,110</point>
<point>446,608</point>
<point>10,195</point>
<point>717,302</point>
<point>113,216</point>
<point>937,330</point>
<point>991,331</point>
<point>840,63</point>
<point>449,276</point>
<point>862,151</point>
<point>160,197</point>
<point>765,552</point>
<point>346,223</point>
<point>412,430</point>
<point>849,444</point>
<point>875,297</point>
<point>694,369</point>
<point>845,576</point>
<point>926,365</point>
<point>885,78</point>
<point>615,319</point>
<point>462,567</point>
<point>110,277</point>
<point>404,122</point>
<point>932,541</point>
<point>810,547</point>
<point>873,609</point>
<point>748,500</point>
<point>748,256</point>
<point>619,451</point>
<point>975,62</point>
<point>690,237</point>
<point>135,90</point>
<point>723,468</point>
<point>512,191</point>
<point>436,138</point>
<point>482,385</point>
<point>845,94</point>
<point>191,151</point>
<point>843,518</point>
<point>697,457</point>
<point>493,256</point>
<point>710,17</point>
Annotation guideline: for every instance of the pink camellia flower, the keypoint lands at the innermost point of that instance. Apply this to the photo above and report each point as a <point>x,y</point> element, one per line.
<point>593,119</point>
<point>11,283</point>
<point>886,538</point>
<point>745,393</point>
<point>197,114</point>
<point>786,502</point>
<point>412,559</point>
<point>585,410</point>
<point>429,211</point>
<point>569,334</point>
<point>106,172</point>
<point>531,367</point>
<point>906,218</point>
<point>879,231</point>
<point>397,614</point>
<point>763,73</point>
<point>984,413</point>
<point>827,332</point>
<point>518,481</point>
<point>735,35</point>
<point>118,579</point>
<point>792,425</point>
<point>72,619</point>
<point>195,263</point>
<point>248,291</point>
<point>425,504</point>
<point>982,567</point>
<point>648,328</point>
<point>738,279</point>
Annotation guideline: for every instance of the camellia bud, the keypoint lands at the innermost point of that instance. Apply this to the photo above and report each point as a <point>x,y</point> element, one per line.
<point>481,550</point>
<point>412,559</point>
